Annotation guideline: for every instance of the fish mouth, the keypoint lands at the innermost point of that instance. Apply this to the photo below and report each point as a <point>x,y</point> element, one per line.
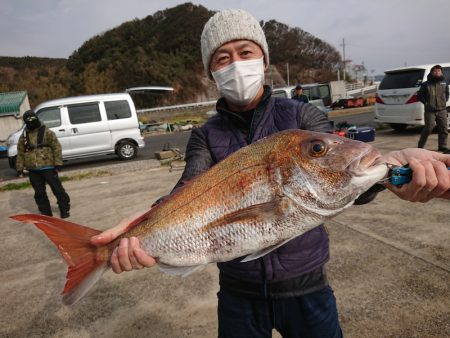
<point>366,161</point>
<point>365,172</point>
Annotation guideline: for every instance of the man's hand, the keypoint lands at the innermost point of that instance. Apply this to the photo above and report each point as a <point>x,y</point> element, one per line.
<point>430,178</point>
<point>128,255</point>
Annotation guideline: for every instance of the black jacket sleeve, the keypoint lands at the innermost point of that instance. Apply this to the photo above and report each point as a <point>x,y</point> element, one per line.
<point>198,157</point>
<point>421,94</point>
<point>309,117</point>
<point>446,92</point>
<point>370,194</point>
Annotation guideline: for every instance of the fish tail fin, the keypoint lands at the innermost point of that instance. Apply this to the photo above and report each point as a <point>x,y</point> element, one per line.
<point>86,262</point>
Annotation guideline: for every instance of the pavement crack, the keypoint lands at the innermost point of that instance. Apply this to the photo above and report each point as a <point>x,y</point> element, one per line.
<point>404,249</point>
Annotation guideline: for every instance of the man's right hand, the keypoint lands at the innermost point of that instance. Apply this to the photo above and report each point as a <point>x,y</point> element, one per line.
<point>128,255</point>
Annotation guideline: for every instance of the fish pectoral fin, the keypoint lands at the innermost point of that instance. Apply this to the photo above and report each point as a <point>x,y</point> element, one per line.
<point>251,214</point>
<point>264,251</point>
<point>182,271</point>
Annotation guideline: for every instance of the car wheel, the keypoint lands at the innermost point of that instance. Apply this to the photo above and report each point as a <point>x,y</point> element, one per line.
<point>398,126</point>
<point>126,150</point>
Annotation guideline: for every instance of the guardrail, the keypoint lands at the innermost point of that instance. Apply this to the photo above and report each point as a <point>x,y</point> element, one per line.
<point>179,106</point>
<point>361,90</point>
<point>353,89</point>
<point>353,86</point>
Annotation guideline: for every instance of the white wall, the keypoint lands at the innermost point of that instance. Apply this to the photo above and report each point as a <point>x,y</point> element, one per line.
<point>11,123</point>
<point>8,125</point>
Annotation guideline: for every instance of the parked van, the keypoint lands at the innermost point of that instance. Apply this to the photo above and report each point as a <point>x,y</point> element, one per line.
<point>289,92</point>
<point>396,100</point>
<point>89,126</point>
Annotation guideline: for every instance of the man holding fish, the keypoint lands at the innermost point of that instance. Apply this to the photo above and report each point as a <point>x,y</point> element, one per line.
<point>286,288</point>
<point>256,210</point>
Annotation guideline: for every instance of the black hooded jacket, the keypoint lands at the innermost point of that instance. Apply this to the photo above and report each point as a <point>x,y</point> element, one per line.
<point>434,93</point>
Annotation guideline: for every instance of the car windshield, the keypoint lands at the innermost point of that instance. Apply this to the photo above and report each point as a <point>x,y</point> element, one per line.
<point>402,79</point>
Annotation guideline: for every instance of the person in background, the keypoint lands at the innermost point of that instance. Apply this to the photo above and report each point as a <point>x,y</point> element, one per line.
<point>434,94</point>
<point>39,151</point>
<point>286,289</point>
<point>298,95</point>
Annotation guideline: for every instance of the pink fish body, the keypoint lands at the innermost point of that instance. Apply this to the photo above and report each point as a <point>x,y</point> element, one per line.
<point>249,204</point>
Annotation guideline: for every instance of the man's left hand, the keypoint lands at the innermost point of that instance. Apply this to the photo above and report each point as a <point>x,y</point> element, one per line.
<point>430,177</point>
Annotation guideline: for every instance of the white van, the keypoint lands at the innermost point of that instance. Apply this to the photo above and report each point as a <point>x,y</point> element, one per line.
<point>89,125</point>
<point>396,100</point>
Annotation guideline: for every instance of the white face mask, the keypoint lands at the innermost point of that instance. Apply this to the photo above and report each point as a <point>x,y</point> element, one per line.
<point>240,81</point>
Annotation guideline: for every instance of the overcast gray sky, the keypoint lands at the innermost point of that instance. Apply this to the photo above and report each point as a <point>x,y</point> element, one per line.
<point>381,33</point>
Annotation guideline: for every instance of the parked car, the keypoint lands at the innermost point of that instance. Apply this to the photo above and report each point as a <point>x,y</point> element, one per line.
<point>396,100</point>
<point>89,126</point>
<point>3,152</point>
<point>289,91</point>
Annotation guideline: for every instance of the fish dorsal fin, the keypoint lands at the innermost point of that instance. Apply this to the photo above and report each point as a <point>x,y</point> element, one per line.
<point>182,271</point>
<point>264,251</point>
<point>252,213</point>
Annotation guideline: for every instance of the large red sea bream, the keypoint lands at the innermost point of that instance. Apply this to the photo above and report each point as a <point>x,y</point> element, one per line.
<point>252,202</point>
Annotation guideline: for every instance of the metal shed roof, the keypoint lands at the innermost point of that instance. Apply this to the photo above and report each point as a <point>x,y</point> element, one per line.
<point>10,102</point>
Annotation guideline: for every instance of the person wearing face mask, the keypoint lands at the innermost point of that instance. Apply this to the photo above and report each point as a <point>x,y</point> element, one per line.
<point>434,94</point>
<point>39,151</point>
<point>287,289</point>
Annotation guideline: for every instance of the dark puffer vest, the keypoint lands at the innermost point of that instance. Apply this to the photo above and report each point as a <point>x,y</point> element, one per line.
<point>304,253</point>
<point>296,267</point>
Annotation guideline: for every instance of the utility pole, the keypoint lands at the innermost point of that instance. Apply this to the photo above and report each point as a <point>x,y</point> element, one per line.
<point>343,55</point>
<point>287,71</point>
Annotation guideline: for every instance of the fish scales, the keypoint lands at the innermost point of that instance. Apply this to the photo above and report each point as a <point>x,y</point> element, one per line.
<point>235,187</point>
<point>200,231</point>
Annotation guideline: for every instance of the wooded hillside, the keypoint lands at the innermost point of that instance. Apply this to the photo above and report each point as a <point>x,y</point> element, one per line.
<point>161,49</point>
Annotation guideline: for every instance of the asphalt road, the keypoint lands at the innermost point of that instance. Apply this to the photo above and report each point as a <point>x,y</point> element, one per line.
<point>154,143</point>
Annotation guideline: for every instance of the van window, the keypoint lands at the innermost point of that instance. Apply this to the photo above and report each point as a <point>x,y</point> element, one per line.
<point>117,110</point>
<point>315,94</point>
<point>324,91</point>
<point>402,79</point>
<point>84,113</point>
<point>446,71</point>
<point>51,117</point>
<point>325,94</point>
<point>307,92</point>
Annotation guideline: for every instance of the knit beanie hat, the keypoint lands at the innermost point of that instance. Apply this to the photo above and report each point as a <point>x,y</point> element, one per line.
<point>229,25</point>
<point>29,114</point>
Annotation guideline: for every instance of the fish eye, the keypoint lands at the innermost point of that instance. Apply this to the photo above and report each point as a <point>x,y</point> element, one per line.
<point>318,148</point>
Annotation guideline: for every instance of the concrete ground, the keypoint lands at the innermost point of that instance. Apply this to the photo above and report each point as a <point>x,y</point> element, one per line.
<point>389,267</point>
